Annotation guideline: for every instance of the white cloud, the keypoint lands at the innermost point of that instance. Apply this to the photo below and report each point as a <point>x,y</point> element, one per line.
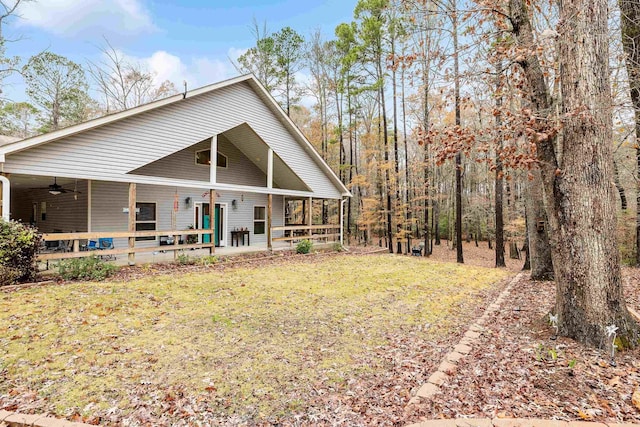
<point>199,71</point>
<point>166,66</point>
<point>71,18</point>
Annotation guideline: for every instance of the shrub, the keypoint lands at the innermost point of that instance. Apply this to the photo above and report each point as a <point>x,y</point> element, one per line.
<point>304,247</point>
<point>89,268</point>
<point>184,259</point>
<point>208,260</point>
<point>18,249</point>
<point>337,247</point>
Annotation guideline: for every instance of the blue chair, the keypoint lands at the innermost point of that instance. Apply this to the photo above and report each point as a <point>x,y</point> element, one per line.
<point>106,243</point>
<point>92,245</point>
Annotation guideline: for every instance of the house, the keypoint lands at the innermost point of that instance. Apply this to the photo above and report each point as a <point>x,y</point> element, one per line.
<point>153,175</point>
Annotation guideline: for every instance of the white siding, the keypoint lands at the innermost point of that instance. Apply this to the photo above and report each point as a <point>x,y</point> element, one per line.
<point>181,165</point>
<point>109,198</point>
<point>109,152</point>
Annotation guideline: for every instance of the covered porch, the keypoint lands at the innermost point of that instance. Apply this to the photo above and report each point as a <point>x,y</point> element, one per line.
<point>139,223</point>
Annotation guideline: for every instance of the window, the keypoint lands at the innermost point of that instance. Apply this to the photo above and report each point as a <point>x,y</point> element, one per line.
<point>203,157</point>
<point>146,219</point>
<point>259,217</point>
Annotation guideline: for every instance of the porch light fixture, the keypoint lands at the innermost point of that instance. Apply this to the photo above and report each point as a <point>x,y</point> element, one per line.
<point>187,201</point>
<point>54,191</point>
<point>234,204</point>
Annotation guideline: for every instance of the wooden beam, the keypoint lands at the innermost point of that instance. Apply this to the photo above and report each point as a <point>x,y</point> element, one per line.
<point>269,220</point>
<point>308,237</point>
<point>310,211</point>
<point>212,220</point>
<point>121,251</point>
<point>48,237</point>
<point>132,222</point>
<point>89,189</point>
<point>269,168</point>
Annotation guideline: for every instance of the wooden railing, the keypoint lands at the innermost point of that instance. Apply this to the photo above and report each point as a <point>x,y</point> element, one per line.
<point>76,247</point>
<point>326,233</point>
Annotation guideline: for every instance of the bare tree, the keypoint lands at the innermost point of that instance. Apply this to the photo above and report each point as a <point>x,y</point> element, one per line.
<point>58,86</point>
<point>8,65</point>
<point>124,83</point>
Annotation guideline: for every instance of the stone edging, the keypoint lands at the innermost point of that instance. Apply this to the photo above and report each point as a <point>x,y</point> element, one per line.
<point>449,363</point>
<point>513,422</point>
<point>14,419</point>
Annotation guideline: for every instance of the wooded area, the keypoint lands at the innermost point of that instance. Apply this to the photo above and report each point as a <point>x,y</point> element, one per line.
<point>485,120</point>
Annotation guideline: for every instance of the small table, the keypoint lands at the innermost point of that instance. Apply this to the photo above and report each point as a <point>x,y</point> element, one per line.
<point>235,235</point>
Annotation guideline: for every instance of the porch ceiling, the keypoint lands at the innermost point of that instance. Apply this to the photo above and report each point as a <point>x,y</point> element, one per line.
<point>27,182</point>
<point>252,146</point>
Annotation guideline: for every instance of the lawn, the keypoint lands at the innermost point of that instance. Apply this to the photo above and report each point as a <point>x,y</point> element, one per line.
<point>272,343</point>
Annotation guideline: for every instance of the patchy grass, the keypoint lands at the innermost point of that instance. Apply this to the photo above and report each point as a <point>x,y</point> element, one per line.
<point>250,342</point>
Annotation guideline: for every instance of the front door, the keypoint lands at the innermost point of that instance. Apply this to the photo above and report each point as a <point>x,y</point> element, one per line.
<point>203,222</point>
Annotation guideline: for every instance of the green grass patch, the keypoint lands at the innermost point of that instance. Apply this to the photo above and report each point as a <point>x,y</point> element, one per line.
<point>251,339</point>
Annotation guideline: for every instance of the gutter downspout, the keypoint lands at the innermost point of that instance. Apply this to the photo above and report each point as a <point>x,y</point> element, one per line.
<point>6,197</point>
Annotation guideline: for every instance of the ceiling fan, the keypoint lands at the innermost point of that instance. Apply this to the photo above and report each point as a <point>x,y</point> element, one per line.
<point>56,188</point>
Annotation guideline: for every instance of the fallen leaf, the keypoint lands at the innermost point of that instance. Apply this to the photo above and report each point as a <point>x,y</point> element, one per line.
<point>584,415</point>
<point>635,398</point>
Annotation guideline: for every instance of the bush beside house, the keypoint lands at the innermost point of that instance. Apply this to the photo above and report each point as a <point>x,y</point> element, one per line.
<point>18,250</point>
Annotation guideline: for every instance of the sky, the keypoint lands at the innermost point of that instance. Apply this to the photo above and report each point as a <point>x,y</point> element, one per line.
<point>178,40</point>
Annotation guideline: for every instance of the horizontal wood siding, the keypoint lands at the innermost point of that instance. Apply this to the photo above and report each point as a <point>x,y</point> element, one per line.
<point>109,152</point>
<point>65,212</point>
<point>110,198</point>
<point>240,170</point>
<point>181,165</point>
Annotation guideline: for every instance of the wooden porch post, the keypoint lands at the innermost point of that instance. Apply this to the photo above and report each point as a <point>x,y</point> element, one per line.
<point>310,212</point>
<point>89,190</point>
<point>212,220</point>
<point>269,216</point>
<point>213,159</point>
<point>269,168</point>
<point>132,222</point>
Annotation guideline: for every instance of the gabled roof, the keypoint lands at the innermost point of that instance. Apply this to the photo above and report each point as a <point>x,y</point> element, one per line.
<point>25,144</point>
<point>5,139</point>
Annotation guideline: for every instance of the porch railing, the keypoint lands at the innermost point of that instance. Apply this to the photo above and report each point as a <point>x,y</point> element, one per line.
<point>322,233</point>
<point>77,252</point>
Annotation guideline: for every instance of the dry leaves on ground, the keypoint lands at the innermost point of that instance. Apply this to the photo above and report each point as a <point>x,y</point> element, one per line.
<point>517,369</point>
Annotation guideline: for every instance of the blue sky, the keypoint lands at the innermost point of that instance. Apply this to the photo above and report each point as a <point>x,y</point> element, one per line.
<point>189,40</point>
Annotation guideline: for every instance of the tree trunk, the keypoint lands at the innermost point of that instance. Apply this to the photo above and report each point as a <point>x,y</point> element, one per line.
<point>619,187</point>
<point>514,252</point>
<point>387,176</point>
<point>537,228</point>
<point>525,248</point>
<point>499,183</point>
<point>456,71</point>
<point>579,195</point>
<point>630,26</point>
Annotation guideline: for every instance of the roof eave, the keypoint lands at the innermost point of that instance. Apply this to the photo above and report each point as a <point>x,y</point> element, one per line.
<point>24,144</point>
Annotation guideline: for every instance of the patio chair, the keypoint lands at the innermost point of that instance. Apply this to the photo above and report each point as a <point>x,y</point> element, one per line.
<point>66,245</point>
<point>106,243</point>
<point>417,250</point>
<point>92,245</point>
